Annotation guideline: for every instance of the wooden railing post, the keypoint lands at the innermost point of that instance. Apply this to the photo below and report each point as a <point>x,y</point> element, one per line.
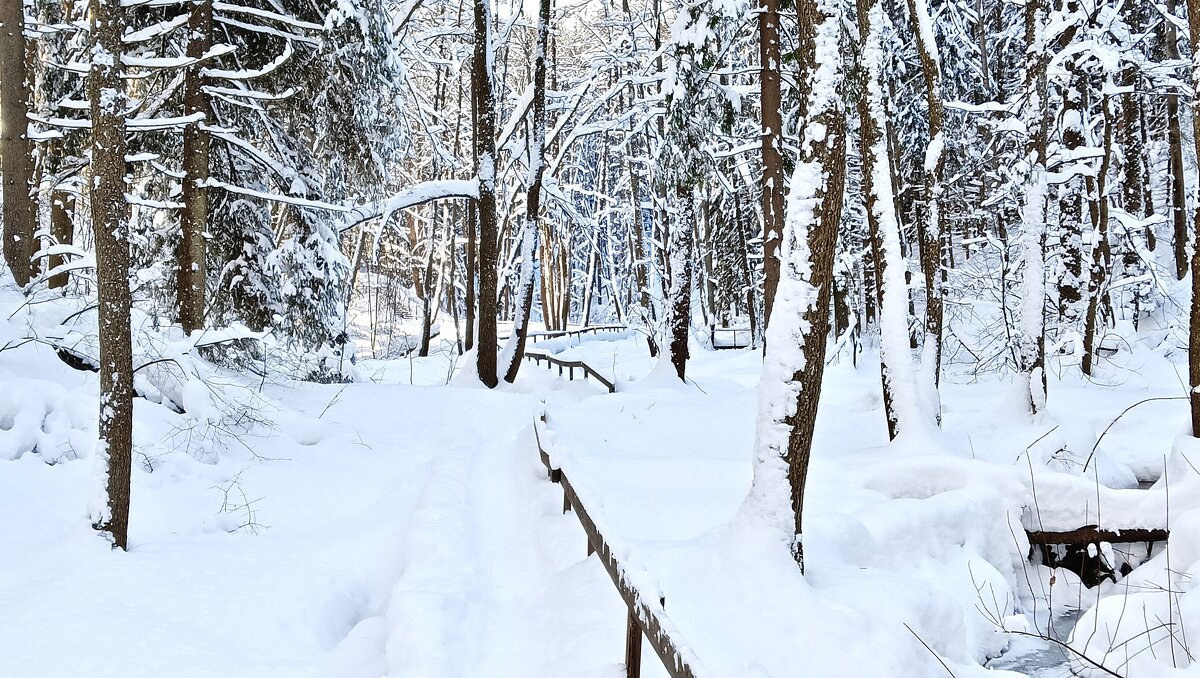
<point>633,647</point>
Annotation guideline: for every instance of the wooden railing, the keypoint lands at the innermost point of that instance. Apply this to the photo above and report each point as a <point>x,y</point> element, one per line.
<point>643,619</point>
<point>592,329</point>
<point>735,337</point>
<point>555,334</point>
<point>570,366</point>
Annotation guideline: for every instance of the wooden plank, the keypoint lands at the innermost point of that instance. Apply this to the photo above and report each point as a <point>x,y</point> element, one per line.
<point>1091,534</point>
<point>633,647</point>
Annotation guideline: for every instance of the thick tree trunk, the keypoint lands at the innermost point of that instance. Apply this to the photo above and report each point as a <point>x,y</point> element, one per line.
<point>533,201</point>
<point>16,151</point>
<point>485,162</point>
<point>106,95</point>
<point>790,389</point>
<point>772,141</point>
<point>193,218</point>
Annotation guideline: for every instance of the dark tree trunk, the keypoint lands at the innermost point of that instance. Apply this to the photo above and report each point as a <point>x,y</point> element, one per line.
<point>772,138</point>
<point>110,222</point>
<point>1193,8</point>
<point>16,152</point>
<point>1101,253</point>
<point>931,235</point>
<point>1176,168</point>
<point>680,320</point>
<point>485,161</point>
<point>193,218</point>
<point>469,270</point>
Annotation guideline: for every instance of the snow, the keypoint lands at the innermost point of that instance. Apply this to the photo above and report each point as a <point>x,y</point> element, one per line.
<point>380,528</point>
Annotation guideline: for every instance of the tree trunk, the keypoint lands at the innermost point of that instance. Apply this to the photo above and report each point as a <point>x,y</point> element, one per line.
<point>106,95</point>
<point>485,162</point>
<point>790,389</point>
<point>1031,337</point>
<point>16,151</point>
<point>935,163</point>
<point>1176,168</point>
<point>1193,8</point>
<point>470,268</point>
<point>1101,253</point>
<point>514,351</point>
<point>772,141</point>
<point>902,402</point>
<point>193,218</point>
<point>680,321</point>
<point>1070,202</point>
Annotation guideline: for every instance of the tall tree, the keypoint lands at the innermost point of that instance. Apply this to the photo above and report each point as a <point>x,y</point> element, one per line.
<point>931,235</point>
<point>20,213</point>
<point>790,388</point>
<point>1176,168</point>
<point>1193,10</point>
<point>773,190</point>
<point>110,221</point>
<point>514,350</point>
<point>1031,336</point>
<point>484,97</point>
<point>901,398</point>
<point>193,219</point>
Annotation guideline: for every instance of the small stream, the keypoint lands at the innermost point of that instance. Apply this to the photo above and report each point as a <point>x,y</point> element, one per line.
<point>1039,658</point>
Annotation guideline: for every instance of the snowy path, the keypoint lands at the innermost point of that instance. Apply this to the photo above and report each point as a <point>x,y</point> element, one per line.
<point>489,566</point>
<point>403,531</point>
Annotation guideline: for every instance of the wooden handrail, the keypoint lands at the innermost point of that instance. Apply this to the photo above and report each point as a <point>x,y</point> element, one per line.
<point>571,366</point>
<point>555,334</point>
<point>712,335</point>
<point>643,619</point>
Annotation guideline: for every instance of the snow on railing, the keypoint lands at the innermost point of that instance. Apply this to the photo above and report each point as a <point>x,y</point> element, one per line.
<point>571,365</point>
<point>647,613</point>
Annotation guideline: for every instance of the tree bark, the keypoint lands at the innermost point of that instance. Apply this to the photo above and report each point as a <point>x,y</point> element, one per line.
<point>1176,168</point>
<point>790,389</point>
<point>193,218</point>
<point>1031,336</point>
<point>770,101</point>
<point>1193,8</point>
<point>106,96</point>
<point>680,320</point>
<point>935,164</point>
<point>16,151</point>
<point>485,162</point>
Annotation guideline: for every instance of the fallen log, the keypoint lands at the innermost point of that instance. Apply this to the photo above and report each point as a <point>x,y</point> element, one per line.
<point>1092,534</point>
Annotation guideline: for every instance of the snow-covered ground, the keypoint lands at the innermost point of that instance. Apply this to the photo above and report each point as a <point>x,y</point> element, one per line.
<point>384,528</point>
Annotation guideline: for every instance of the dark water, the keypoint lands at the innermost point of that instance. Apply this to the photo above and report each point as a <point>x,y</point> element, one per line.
<point>1040,658</point>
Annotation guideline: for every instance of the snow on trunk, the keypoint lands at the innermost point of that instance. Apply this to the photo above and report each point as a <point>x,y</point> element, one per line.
<point>893,322</point>
<point>789,390</point>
